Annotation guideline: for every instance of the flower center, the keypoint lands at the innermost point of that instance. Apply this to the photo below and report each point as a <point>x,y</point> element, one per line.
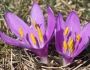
<point>33,38</point>
<point>21,32</point>
<point>66,31</point>
<point>70,44</point>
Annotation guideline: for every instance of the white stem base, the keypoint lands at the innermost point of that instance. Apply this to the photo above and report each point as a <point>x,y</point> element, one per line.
<point>67,60</point>
<point>44,60</point>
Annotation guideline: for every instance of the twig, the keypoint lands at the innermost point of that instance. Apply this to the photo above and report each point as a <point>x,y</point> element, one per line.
<point>66,5</point>
<point>81,64</point>
<point>66,65</point>
<point>27,54</point>
<point>8,8</point>
<point>11,61</point>
<point>55,59</point>
<point>31,64</point>
<point>26,13</point>
<point>85,19</point>
<point>49,5</point>
<point>52,67</point>
<point>57,5</point>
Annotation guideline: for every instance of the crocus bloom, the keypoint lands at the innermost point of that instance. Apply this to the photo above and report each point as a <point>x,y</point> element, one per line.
<point>36,37</point>
<point>69,37</point>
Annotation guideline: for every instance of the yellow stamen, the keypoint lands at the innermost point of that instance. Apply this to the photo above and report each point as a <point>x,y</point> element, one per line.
<point>21,32</point>
<point>71,44</point>
<point>65,45</point>
<point>66,31</point>
<point>72,48</point>
<point>39,31</point>
<point>34,22</point>
<point>33,38</point>
<point>77,37</point>
<point>40,34</point>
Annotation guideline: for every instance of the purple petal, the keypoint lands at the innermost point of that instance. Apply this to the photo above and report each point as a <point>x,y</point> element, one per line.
<point>14,23</point>
<point>40,52</point>
<point>37,15</point>
<point>60,22</point>
<point>73,22</point>
<point>51,24</point>
<point>34,46</point>
<point>14,42</point>
<point>85,35</point>
<point>60,26</point>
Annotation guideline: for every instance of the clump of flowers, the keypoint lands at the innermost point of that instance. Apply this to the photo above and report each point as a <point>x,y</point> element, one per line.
<point>36,37</point>
<point>70,39</point>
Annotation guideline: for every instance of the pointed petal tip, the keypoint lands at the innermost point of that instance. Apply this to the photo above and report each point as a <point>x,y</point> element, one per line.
<point>34,4</point>
<point>48,7</point>
<point>59,14</point>
<point>51,24</point>
<point>73,21</point>
<point>8,13</point>
<point>49,10</point>
<point>36,14</point>
<point>73,13</point>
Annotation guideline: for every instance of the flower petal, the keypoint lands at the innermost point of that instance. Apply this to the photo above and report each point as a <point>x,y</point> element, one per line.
<point>51,24</point>
<point>14,23</point>
<point>40,52</point>
<point>14,42</point>
<point>60,22</point>
<point>73,22</point>
<point>32,43</point>
<point>37,15</point>
<point>59,38</point>
<point>85,35</point>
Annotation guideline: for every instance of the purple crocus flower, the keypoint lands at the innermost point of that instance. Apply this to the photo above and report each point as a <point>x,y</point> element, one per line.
<point>70,39</point>
<point>36,37</point>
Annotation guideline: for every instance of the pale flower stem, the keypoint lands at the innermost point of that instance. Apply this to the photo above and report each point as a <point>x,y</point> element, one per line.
<point>44,60</point>
<point>64,61</point>
<point>67,60</point>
